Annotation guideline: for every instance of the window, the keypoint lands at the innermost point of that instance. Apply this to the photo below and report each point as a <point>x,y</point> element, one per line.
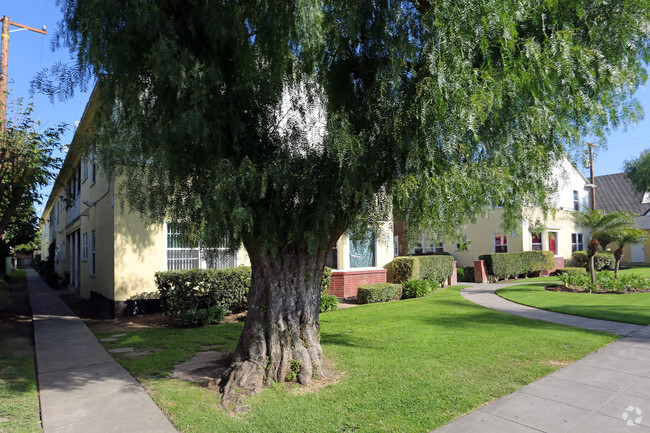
<point>576,200</point>
<point>576,242</point>
<point>84,247</point>
<point>84,169</point>
<point>500,243</point>
<point>93,167</point>
<point>536,241</point>
<point>332,259</point>
<point>427,246</point>
<point>395,246</point>
<point>183,253</point>
<point>92,252</point>
<point>362,250</point>
<point>462,245</point>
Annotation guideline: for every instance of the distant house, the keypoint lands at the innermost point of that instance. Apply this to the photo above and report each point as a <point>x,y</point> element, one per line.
<point>558,234</point>
<point>615,192</point>
<point>104,251</point>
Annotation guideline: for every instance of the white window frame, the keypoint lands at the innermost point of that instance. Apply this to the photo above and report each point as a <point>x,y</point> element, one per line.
<point>505,236</point>
<point>84,247</point>
<point>577,242</point>
<point>93,167</point>
<point>434,247</point>
<point>576,200</point>
<point>226,260</point>
<point>539,244</point>
<point>84,169</point>
<point>93,244</point>
<point>461,247</point>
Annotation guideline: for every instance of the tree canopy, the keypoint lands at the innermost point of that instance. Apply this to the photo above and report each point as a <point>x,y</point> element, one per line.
<point>27,163</point>
<point>279,124</point>
<point>638,171</point>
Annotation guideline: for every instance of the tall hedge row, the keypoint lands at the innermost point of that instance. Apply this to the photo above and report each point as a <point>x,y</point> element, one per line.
<point>509,265</point>
<point>435,268</point>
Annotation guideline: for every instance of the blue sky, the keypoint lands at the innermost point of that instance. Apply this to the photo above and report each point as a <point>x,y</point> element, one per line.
<point>30,52</point>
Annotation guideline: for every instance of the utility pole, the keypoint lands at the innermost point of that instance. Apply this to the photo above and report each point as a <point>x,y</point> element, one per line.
<point>591,172</point>
<point>4,65</point>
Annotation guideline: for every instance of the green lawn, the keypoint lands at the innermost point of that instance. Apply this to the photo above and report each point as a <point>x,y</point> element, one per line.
<point>632,308</point>
<point>410,366</point>
<point>19,408</point>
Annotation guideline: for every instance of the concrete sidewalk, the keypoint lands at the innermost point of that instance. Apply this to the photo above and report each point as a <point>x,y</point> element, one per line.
<point>605,392</point>
<point>81,387</point>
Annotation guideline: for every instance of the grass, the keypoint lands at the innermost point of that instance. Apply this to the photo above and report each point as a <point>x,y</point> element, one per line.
<point>410,366</point>
<point>630,308</point>
<point>19,407</point>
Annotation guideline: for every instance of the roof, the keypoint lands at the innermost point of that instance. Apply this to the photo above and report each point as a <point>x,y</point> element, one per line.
<point>643,222</point>
<point>614,192</point>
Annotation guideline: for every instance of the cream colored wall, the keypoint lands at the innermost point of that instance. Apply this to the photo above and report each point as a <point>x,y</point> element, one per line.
<point>139,252</point>
<point>97,213</point>
<point>480,238</point>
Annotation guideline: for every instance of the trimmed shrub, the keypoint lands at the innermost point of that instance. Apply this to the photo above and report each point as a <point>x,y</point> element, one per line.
<point>431,267</point>
<point>184,293</point>
<point>378,292</point>
<point>326,281</point>
<point>509,265</point>
<point>603,260</point>
<point>416,288</point>
<point>466,274</point>
<point>204,316</point>
<point>328,303</point>
<point>571,270</point>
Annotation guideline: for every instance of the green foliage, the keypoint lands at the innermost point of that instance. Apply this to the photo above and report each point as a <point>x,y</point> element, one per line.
<point>605,227</point>
<point>328,303</point>
<point>183,294</point>
<point>638,171</point>
<point>27,164</point>
<point>603,260</point>
<point>433,267</point>
<point>571,270</point>
<point>606,282</point>
<point>574,281</point>
<point>194,317</point>
<point>509,265</point>
<point>416,288</point>
<point>466,274</point>
<point>294,369</point>
<point>325,283</point>
<point>378,292</point>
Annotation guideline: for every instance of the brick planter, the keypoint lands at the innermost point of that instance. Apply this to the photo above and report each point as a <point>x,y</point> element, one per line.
<point>345,282</point>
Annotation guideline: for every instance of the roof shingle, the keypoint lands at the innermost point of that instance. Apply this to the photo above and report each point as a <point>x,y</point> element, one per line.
<point>614,192</point>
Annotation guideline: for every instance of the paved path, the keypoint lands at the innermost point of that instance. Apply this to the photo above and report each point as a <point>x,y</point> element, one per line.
<point>81,387</point>
<point>605,392</point>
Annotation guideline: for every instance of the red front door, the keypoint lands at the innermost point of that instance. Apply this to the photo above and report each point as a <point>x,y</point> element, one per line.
<point>552,242</point>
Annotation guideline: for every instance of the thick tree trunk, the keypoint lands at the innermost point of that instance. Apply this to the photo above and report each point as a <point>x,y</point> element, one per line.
<point>280,339</point>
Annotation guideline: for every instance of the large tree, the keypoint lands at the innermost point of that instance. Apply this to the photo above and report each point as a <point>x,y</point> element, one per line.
<point>28,162</point>
<point>638,171</point>
<point>283,124</point>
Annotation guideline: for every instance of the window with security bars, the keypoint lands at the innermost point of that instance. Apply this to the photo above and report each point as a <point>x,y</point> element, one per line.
<point>183,253</point>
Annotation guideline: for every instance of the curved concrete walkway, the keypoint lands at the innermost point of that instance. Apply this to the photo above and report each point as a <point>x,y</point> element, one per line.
<point>608,391</point>
<point>81,388</point>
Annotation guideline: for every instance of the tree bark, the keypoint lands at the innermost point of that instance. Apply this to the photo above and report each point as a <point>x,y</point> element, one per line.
<point>618,255</point>
<point>592,249</point>
<point>281,332</point>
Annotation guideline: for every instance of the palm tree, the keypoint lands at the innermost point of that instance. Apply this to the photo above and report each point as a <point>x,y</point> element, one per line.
<point>631,236</point>
<point>603,229</point>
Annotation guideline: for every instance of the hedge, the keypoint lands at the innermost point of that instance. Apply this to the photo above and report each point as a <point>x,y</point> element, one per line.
<point>191,290</point>
<point>603,260</point>
<point>466,274</point>
<point>571,270</point>
<point>509,265</point>
<point>378,292</point>
<point>432,267</point>
<point>184,294</point>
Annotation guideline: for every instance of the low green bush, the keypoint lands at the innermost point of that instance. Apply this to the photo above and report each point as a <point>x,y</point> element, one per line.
<point>466,274</point>
<point>574,281</point>
<point>603,260</point>
<point>416,288</point>
<point>431,267</point>
<point>184,293</point>
<point>328,303</point>
<point>606,281</point>
<point>510,265</point>
<point>201,317</point>
<point>378,292</point>
<point>570,270</point>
